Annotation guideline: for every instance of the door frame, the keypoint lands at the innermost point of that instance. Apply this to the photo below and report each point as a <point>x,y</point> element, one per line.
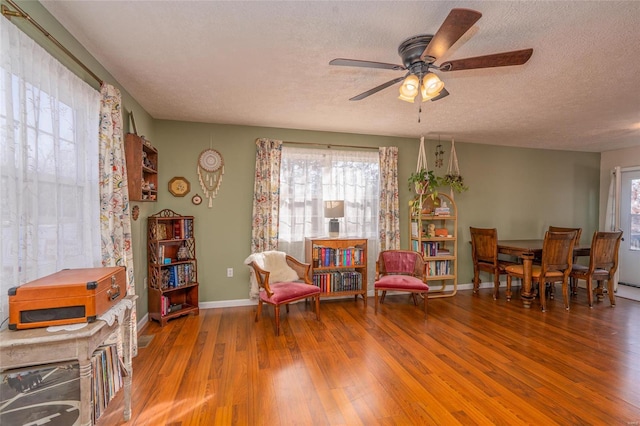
<point>627,259</point>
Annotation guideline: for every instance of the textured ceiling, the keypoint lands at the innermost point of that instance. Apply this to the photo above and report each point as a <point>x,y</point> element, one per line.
<point>265,63</point>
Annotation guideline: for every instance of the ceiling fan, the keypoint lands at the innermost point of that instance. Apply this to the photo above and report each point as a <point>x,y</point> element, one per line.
<point>419,54</point>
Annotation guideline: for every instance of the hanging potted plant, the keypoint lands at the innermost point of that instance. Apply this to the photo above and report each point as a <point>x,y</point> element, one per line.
<point>453,178</point>
<point>424,183</point>
<point>455,182</point>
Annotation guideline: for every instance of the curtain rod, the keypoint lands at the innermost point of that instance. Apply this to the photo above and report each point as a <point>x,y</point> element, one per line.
<point>332,145</point>
<point>7,13</point>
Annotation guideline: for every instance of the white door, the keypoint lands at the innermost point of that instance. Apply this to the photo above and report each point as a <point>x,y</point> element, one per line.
<point>629,257</point>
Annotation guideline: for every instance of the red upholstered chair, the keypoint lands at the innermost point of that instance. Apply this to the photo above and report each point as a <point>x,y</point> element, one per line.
<point>282,279</point>
<point>401,270</point>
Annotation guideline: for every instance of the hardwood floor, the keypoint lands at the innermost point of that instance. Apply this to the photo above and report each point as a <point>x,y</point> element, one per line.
<point>474,361</point>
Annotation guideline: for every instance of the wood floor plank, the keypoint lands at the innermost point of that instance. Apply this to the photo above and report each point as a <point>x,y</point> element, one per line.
<point>474,360</point>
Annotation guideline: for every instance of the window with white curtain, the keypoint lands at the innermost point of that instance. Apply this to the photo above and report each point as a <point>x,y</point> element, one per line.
<point>308,177</point>
<point>49,194</point>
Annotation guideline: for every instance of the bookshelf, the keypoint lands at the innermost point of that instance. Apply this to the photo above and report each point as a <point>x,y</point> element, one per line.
<point>142,168</point>
<point>435,235</point>
<point>173,268</point>
<point>338,266</point>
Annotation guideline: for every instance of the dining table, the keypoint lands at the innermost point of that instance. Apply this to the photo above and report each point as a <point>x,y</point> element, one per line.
<point>527,251</point>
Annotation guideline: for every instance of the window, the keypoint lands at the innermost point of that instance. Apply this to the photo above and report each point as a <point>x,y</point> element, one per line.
<point>49,194</point>
<point>308,177</point>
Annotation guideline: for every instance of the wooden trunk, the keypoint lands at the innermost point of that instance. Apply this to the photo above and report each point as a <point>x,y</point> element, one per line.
<point>66,297</point>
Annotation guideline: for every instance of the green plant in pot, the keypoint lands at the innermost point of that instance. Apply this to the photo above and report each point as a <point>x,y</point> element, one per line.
<point>455,181</point>
<point>424,183</point>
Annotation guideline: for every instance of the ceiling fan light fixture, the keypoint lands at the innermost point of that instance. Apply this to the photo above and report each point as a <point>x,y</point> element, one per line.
<point>409,88</point>
<point>431,86</point>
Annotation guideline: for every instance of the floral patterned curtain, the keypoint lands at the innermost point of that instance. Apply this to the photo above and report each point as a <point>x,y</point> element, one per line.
<point>389,215</point>
<point>266,197</point>
<point>115,219</point>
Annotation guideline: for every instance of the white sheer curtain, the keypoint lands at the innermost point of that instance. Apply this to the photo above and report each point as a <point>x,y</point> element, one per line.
<point>308,177</point>
<point>49,202</point>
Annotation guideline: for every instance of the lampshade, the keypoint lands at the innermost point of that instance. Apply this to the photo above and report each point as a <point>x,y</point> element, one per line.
<point>431,86</point>
<point>334,208</point>
<point>409,88</point>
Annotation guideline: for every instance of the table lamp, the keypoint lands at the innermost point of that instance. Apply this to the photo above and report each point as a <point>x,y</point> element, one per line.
<point>334,209</point>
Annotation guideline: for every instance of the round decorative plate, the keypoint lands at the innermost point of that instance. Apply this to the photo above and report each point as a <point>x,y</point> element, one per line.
<point>196,199</point>
<point>179,186</point>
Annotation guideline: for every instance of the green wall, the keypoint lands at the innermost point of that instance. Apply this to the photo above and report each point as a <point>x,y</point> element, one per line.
<point>518,191</point>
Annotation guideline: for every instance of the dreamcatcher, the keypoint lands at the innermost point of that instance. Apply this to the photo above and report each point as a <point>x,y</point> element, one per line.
<point>210,171</point>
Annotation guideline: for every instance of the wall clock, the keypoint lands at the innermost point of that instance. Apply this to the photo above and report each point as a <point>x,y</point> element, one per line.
<point>179,186</point>
<point>196,199</point>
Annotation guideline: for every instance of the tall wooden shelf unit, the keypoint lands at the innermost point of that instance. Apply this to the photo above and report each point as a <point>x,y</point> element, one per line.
<point>142,168</point>
<point>439,250</point>
<point>173,268</point>
<point>338,266</point>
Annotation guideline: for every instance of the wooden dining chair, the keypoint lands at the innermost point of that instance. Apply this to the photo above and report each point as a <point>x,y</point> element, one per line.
<point>572,282</point>
<point>282,279</point>
<point>556,263</point>
<point>484,253</point>
<point>401,270</point>
<point>603,264</point>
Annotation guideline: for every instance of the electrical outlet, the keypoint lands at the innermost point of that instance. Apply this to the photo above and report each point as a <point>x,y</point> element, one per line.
<point>229,272</point>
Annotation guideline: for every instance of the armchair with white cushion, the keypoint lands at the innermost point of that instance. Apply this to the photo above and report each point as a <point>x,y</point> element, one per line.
<point>280,279</point>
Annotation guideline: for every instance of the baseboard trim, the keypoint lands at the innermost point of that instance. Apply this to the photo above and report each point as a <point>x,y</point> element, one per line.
<point>248,302</point>
<point>629,284</point>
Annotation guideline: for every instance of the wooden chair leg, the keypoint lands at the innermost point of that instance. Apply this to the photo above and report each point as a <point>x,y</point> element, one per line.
<point>259,310</point>
<point>543,299</point>
<point>590,291</point>
<point>476,280</point>
<point>277,315</point>
<point>384,293</point>
<point>287,308</point>
<point>317,307</point>
<point>612,297</point>
<point>565,293</point>
<point>415,300</point>
<point>508,288</point>
<point>426,298</point>
<point>496,285</point>
<point>376,297</point>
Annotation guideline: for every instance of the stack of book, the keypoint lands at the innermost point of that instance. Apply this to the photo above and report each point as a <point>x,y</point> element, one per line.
<point>442,211</point>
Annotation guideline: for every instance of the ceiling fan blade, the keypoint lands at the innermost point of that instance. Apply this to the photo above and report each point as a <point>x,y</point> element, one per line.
<point>517,57</point>
<point>365,64</point>
<point>457,23</point>
<point>443,93</point>
<point>377,89</point>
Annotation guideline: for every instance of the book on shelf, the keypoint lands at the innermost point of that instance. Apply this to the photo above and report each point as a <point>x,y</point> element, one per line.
<point>332,257</point>
<point>414,229</point>
<point>337,281</point>
<point>438,268</point>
